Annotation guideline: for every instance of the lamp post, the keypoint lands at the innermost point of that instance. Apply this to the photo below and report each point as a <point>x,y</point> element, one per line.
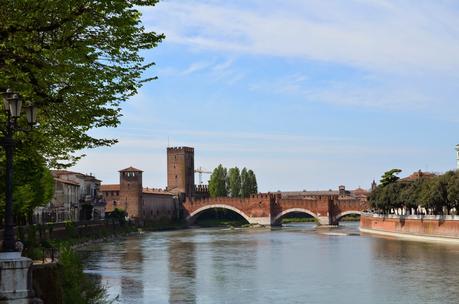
<point>12,106</point>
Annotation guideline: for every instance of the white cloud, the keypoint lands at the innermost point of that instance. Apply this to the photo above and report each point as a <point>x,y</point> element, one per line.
<point>195,67</point>
<point>375,35</point>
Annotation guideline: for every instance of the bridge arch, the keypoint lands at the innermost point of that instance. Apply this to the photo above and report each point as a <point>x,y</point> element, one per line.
<point>194,215</point>
<point>278,217</point>
<point>339,216</point>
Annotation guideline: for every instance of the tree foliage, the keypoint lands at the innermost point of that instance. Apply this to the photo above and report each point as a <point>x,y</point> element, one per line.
<point>436,194</point>
<point>77,60</point>
<point>251,182</point>
<point>234,182</point>
<point>390,177</point>
<point>33,184</point>
<point>217,182</point>
<point>77,286</point>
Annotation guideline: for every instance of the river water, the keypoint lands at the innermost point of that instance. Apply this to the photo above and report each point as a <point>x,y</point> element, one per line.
<point>293,264</point>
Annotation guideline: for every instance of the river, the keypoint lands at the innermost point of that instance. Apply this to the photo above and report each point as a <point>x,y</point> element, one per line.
<point>293,264</point>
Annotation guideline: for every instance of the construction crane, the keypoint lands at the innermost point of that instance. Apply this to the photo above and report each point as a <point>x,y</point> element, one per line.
<point>201,171</point>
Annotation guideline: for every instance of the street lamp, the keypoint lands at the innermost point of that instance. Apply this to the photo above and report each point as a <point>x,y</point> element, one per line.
<point>13,106</point>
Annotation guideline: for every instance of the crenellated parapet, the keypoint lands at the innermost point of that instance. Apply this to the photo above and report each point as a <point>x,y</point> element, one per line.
<point>178,149</point>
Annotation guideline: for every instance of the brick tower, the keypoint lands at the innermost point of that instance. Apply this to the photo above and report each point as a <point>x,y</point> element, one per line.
<point>131,191</point>
<point>180,170</point>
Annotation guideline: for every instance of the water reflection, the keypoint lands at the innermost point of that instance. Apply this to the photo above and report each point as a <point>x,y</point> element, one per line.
<point>424,271</point>
<point>132,269</point>
<point>182,272</point>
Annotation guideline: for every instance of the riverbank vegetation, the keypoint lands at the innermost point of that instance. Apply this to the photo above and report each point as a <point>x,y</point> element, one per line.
<point>78,288</point>
<point>421,194</point>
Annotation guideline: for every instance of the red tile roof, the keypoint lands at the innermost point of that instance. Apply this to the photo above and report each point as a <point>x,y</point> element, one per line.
<point>110,187</point>
<point>131,169</point>
<point>66,181</point>
<point>418,174</point>
<point>359,191</point>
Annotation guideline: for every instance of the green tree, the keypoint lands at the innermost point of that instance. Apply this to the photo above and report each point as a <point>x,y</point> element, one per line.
<point>453,190</point>
<point>411,193</point>
<point>248,183</point>
<point>390,177</point>
<point>252,181</point>
<point>435,195</point>
<point>78,60</point>
<point>33,182</point>
<point>234,182</point>
<point>386,197</point>
<point>245,184</point>
<point>217,182</point>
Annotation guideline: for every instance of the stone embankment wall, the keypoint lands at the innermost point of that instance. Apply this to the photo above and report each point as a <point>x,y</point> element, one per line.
<point>46,282</point>
<point>416,226</point>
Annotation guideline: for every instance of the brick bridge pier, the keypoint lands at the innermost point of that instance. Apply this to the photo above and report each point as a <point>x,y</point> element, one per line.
<point>268,209</point>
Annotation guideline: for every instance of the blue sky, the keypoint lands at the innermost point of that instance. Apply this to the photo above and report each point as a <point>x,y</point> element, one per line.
<point>309,94</point>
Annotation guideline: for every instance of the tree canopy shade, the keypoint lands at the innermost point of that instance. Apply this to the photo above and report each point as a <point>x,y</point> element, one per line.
<point>77,60</point>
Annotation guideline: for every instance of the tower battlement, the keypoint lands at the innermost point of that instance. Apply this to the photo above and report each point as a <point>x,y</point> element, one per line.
<point>179,149</point>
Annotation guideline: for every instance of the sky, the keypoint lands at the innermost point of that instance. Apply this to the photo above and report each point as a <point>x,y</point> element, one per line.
<point>310,94</point>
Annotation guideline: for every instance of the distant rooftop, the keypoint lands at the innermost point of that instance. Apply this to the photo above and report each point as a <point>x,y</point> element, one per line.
<point>131,169</point>
<point>110,187</point>
<point>61,173</point>
<point>417,175</point>
<point>155,191</point>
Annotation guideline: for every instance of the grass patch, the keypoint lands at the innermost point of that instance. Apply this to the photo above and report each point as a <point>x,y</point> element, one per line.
<point>221,223</point>
<point>298,220</point>
<point>350,218</point>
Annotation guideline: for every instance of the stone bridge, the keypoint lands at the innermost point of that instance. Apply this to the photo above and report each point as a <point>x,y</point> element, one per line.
<point>268,209</point>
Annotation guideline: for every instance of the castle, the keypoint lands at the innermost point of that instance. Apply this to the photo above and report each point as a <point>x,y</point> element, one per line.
<point>151,204</point>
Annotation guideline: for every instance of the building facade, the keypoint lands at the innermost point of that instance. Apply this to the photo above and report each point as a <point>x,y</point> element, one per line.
<point>76,197</point>
<point>140,204</point>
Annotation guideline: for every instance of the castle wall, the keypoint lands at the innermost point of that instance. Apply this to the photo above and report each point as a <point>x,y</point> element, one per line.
<point>113,202</point>
<point>157,207</point>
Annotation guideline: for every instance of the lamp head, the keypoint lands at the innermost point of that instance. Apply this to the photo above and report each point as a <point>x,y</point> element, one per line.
<point>12,103</point>
<point>31,114</point>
